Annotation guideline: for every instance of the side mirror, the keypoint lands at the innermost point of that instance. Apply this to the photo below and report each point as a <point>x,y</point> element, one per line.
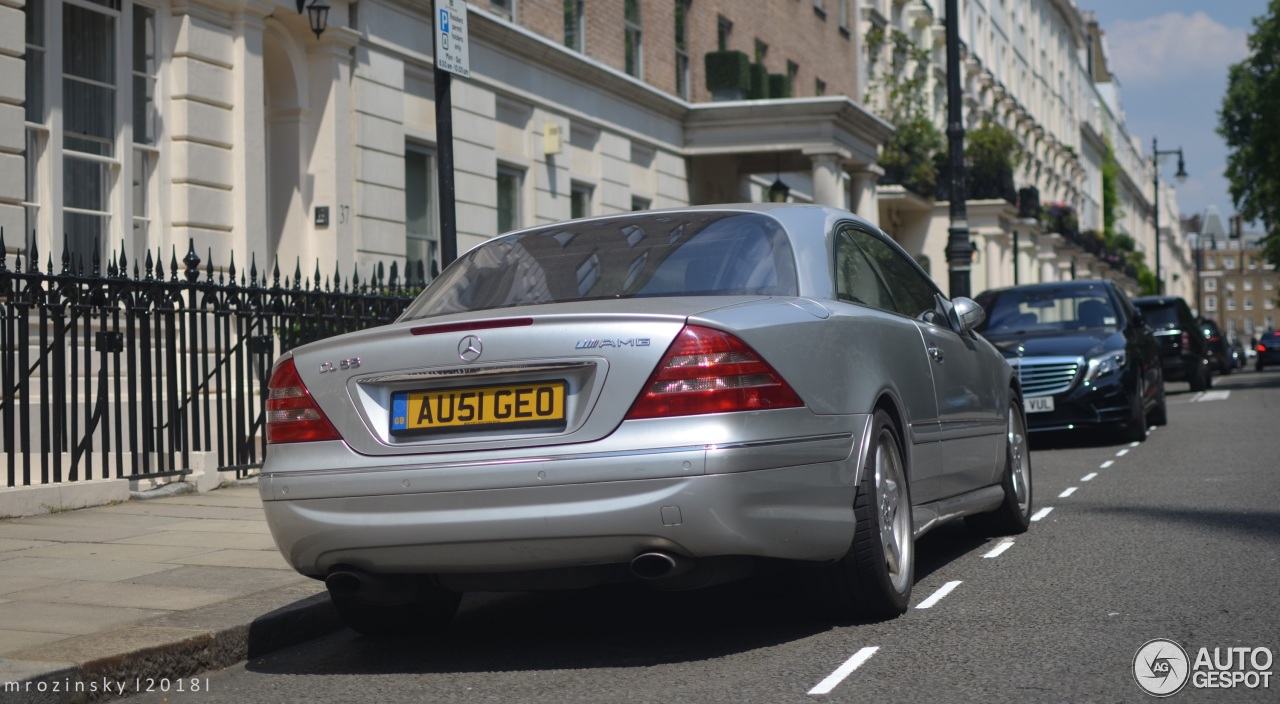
<point>967,313</point>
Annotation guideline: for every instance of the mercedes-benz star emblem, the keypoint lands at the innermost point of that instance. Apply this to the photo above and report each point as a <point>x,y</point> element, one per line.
<point>470,348</point>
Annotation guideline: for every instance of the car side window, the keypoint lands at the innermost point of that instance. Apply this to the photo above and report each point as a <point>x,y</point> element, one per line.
<point>910,293</point>
<point>856,280</point>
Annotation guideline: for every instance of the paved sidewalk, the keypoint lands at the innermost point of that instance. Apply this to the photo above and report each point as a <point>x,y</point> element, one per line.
<point>158,588</point>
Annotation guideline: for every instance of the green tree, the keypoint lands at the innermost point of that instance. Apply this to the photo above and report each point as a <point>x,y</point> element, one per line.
<point>909,156</point>
<point>1248,123</point>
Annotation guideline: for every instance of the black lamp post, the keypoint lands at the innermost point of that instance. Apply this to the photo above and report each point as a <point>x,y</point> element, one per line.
<point>959,250</point>
<point>1181,176</point>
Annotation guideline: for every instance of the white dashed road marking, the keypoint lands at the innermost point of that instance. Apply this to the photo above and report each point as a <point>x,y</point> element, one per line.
<point>999,549</point>
<point>1067,493</point>
<point>1135,443</point>
<point>1041,513</point>
<point>844,670</point>
<point>1089,477</point>
<point>1106,464</point>
<point>1123,452</point>
<point>937,596</point>
<point>1213,396</point>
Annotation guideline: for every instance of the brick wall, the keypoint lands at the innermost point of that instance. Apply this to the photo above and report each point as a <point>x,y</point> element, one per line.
<point>791,28</point>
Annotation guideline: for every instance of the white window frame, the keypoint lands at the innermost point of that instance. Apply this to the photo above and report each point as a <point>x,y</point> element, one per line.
<point>1211,284</point>
<point>1211,303</point>
<point>634,31</point>
<point>517,217</point>
<point>432,216</point>
<point>579,16</point>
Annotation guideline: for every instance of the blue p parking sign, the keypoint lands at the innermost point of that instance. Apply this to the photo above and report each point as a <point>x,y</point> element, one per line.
<point>444,21</point>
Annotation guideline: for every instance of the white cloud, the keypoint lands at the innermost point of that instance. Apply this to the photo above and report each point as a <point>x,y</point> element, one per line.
<point>1173,47</point>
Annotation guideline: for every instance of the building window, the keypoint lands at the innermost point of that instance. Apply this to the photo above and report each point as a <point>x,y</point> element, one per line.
<point>632,39</point>
<point>762,50</point>
<point>503,8</point>
<point>1211,303</point>
<point>724,28</point>
<point>509,181</point>
<point>36,134</point>
<point>819,8</point>
<point>1231,303</point>
<point>580,201</point>
<point>1231,286</point>
<point>842,10</point>
<point>1248,326</point>
<point>1231,328</point>
<point>1271,323</point>
<point>1211,262</point>
<point>1248,284</point>
<point>1228,263</point>
<point>1268,284</point>
<point>682,48</point>
<point>1253,262</point>
<point>145,154</point>
<point>639,203</point>
<point>422,241</point>
<point>793,74</point>
<point>1268,304</point>
<point>1211,284</point>
<point>1248,303</point>
<point>819,87</point>
<point>574,36</point>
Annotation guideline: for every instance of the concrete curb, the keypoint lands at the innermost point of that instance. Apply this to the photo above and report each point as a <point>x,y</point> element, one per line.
<point>168,648</point>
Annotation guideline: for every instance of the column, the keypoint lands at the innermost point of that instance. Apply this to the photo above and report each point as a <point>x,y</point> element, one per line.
<point>827,180</point>
<point>865,201</point>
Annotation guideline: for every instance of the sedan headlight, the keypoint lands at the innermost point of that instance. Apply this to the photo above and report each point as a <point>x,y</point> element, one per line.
<point>1103,365</point>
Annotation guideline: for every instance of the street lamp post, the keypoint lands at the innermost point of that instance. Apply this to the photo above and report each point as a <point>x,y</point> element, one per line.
<point>959,250</point>
<point>1155,170</point>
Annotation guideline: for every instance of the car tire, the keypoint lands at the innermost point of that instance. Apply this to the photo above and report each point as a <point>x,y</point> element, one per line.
<point>1014,514</point>
<point>1258,366</point>
<point>431,610</point>
<point>873,581</point>
<point>1198,377</point>
<point>1136,429</point>
<point>1160,414</point>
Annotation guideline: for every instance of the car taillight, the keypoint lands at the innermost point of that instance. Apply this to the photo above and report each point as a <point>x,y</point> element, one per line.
<point>292,415</point>
<point>1262,348</point>
<point>709,371</point>
<point>1186,339</point>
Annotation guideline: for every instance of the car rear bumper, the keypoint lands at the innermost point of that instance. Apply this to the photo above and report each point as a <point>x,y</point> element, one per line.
<point>788,499</point>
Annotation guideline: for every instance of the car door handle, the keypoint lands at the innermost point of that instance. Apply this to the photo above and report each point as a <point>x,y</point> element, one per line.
<point>936,354</point>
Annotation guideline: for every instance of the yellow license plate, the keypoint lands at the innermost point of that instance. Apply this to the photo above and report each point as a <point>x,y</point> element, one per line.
<point>475,408</point>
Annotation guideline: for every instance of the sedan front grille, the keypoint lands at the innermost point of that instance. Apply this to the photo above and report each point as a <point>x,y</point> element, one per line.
<point>1045,376</point>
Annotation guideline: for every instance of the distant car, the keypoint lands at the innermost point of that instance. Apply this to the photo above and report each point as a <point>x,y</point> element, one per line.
<point>1268,350</point>
<point>1219,350</point>
<point>1184,350</point>
<point>665,396</point>
<point>1082,353</point>
<point>1238,356</point>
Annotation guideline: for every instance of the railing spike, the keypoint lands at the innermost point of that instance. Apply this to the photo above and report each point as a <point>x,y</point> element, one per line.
<point>355,278</point>
<point>275,275</point>
<point>326,284</point>
<point>317,276</point>
<point>148,266</point>
<point>34,257</point>
<point>66,257</point>
<point>422,273</point>
<point>123,268</point>
<point>49,265</point>
<point>159,265</point>
<point>173,263</point>
<point>97,260</point>
<point>336,277</point>
<point>4,253</point>
<point>393,282</point>
<point>297,272</point>
<point>231,271</point>
<point>208,268</point>
<point>135,271</point>
<point>253,269</point>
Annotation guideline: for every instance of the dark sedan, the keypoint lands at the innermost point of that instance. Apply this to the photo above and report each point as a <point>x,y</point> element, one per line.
<point>1268,350</point>
<point>1083,353</point>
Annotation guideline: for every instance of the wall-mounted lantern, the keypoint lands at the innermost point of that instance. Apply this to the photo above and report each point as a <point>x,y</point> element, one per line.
<point>317,15</point>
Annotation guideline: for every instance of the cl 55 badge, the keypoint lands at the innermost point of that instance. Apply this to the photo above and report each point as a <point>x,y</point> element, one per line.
<point>352,363</point>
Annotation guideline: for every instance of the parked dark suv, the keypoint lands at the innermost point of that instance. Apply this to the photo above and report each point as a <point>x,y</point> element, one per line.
<point>1183,347</point>
<point>1083,355</point>
<point>1219,350</point>
<point>1268,350</point>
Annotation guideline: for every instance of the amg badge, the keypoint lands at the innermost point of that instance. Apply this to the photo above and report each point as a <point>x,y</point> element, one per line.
<point>594,344</point>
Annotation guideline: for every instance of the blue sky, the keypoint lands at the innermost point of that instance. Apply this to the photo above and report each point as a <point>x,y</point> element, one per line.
<point>1171,57</point>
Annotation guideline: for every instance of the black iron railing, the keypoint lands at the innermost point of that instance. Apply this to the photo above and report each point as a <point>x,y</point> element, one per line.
<point>106,375</point>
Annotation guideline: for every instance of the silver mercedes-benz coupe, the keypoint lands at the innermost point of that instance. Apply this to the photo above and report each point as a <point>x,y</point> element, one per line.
<point>665,396</point>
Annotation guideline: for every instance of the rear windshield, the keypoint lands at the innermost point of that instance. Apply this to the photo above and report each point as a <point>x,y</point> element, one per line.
<point>1048,310</point>
<point>1161,316</point>
<point>694,254</point>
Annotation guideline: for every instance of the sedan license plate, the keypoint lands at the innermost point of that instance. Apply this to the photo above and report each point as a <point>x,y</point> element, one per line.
<point>1038,404</point>
<point>479,407</point>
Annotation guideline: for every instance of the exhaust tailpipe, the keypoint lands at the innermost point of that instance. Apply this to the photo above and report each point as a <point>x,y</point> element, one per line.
<point>659,565</point>
<point>370,588</point>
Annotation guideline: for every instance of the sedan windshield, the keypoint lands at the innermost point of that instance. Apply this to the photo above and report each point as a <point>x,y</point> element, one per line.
<point>1052,310</point>
<point>689,254</point>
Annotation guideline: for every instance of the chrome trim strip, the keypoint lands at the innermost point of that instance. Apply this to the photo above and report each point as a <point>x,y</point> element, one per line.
<point>559,458</point>
<point>472,371</point>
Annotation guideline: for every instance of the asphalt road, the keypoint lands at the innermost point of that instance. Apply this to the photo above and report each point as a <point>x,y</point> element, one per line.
<point>1176,538</point>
